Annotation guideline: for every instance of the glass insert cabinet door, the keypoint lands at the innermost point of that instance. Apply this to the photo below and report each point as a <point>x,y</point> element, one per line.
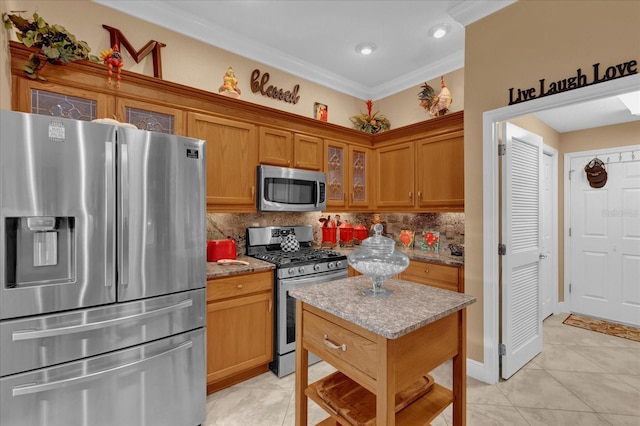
<point>335,174</point>
<point>149,116</point>
<point>63,105</point>
<point>358,176</point>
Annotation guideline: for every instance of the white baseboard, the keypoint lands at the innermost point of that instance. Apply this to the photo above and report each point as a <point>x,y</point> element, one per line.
<point>478,371</point>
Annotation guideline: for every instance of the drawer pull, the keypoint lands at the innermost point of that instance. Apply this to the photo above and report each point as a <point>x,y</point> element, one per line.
<point>332,345</point>
<point>426,271</point>
<point>239,285</point>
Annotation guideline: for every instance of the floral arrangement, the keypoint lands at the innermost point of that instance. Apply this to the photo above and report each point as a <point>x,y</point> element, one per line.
<point>370,122</point>
<point>430,240</point>
<point>54,43</point>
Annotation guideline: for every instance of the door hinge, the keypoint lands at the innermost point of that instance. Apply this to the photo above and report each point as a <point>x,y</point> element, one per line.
<point>502,349</point>
<point>570,171</point>
<point>502,149</point>
<point>502,249</point>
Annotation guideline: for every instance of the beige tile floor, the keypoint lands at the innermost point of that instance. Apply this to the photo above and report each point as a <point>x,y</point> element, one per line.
<point>580,378</point>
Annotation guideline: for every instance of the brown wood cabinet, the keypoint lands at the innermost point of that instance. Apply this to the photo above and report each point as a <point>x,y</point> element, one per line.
<point>395,177</point>
<point>448,277</point>
<point>232,157</point>
<point>279,147</point>
<point>349,174</point>
<point>239,328</point>
<point>415,168</point>
<point>421,167</point>
<point>440,173</point>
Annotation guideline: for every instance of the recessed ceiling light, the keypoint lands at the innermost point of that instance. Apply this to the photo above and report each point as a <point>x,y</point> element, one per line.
<point>439,31</point>
<point>365,48</point>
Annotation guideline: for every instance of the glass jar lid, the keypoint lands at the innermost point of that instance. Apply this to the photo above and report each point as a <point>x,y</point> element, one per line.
<point>378,242</point>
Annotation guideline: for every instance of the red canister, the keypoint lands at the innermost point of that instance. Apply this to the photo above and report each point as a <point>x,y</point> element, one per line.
<point>346,232</point>
<point>360,232</point>
<point>221,249</point>
<point>329,235</point>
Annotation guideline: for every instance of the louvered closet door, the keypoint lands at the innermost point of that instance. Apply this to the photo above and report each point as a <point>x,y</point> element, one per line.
<point>521,230</point>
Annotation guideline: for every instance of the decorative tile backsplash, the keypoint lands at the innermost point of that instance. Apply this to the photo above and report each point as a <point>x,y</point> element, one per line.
<point>450,226</point>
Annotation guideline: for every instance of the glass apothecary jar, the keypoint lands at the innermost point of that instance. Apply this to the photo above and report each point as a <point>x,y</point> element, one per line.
<point>378,260</point>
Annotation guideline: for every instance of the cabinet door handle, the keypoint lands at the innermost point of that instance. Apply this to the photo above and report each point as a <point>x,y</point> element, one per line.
<point>419,195</point>
<point>253,192</point>
<point>332,345</point>
<point>426,271</point>
<point>240,286</point>
<point>410,196</point>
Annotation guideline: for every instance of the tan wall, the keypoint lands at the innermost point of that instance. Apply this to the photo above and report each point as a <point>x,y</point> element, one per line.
<point>515,47</point>
<point>185,61</point>
<point>193,63</point>
<point>404,108</point>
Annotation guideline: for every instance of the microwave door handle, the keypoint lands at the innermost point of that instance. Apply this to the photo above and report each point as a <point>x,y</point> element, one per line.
<point>109,207</point>
<point>123,256</point>
<point>31,388</point>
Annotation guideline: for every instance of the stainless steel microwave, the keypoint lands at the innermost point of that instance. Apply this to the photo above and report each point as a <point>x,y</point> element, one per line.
<point>282,189</point>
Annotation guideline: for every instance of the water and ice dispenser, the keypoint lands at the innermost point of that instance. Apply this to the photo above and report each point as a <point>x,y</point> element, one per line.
<point>40,250</point>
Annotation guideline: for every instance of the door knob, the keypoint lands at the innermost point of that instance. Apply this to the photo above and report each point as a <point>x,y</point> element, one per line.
<point>543,256</point>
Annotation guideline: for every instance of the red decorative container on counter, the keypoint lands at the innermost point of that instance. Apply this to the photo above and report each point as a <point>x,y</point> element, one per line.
<point>360,232</point>
<point>221,249</point>
<point>329,236</point>
<point>346,232</point>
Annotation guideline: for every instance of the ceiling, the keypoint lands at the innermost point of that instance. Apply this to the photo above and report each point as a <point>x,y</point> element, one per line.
<point>316,40</point>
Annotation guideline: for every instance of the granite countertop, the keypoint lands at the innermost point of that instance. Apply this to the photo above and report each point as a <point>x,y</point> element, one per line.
<point>214,270</point>
<point>443,257</point>
<point>410,306</point>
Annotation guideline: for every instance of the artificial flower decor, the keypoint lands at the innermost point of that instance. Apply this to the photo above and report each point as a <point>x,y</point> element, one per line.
<point>53,43</point>
<point>370,123</point>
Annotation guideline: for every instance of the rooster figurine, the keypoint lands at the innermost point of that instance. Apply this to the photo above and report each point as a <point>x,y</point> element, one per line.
<point>436,104</point>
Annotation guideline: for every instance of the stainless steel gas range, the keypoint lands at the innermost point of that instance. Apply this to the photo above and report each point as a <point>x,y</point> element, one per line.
<point>295,268</point>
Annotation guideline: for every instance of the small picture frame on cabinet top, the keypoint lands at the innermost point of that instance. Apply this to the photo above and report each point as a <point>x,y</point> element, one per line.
<point>320,111</point>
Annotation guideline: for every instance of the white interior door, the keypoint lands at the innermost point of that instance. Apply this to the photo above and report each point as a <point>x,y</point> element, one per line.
<point>548,282</point>
<point>605,239</point>
<point>521,333</point>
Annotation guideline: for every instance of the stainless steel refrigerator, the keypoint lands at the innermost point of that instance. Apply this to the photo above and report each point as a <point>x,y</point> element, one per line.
<point>102,274</point>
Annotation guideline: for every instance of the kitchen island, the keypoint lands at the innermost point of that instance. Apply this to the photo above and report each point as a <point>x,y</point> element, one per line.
<point>384,344</point>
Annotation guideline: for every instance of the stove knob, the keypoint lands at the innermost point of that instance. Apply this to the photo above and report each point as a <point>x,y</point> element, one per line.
<point>339,263</point>
<point>316,267</point>
<point>301,269</point>
<point>291,271</point>
<point>331,265</point>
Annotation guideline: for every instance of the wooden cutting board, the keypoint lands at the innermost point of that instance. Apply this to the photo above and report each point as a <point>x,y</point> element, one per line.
<point>358,405</point>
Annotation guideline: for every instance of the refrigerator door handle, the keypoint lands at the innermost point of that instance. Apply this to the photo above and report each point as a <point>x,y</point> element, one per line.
<point>109,236</point>
<point>61,331</point>
<point>123,264</point>
<point>31,388</point>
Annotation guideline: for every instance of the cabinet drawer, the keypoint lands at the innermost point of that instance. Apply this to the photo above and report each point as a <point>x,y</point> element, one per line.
<point>324,336</point>
<point>239,285</point>
<point>442,276</point>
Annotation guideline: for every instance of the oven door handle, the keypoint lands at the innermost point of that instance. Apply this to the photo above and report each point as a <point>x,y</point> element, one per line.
<point>315,279</point>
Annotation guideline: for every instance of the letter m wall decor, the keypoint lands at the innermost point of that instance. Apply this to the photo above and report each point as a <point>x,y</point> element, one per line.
<point>153,47</point>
